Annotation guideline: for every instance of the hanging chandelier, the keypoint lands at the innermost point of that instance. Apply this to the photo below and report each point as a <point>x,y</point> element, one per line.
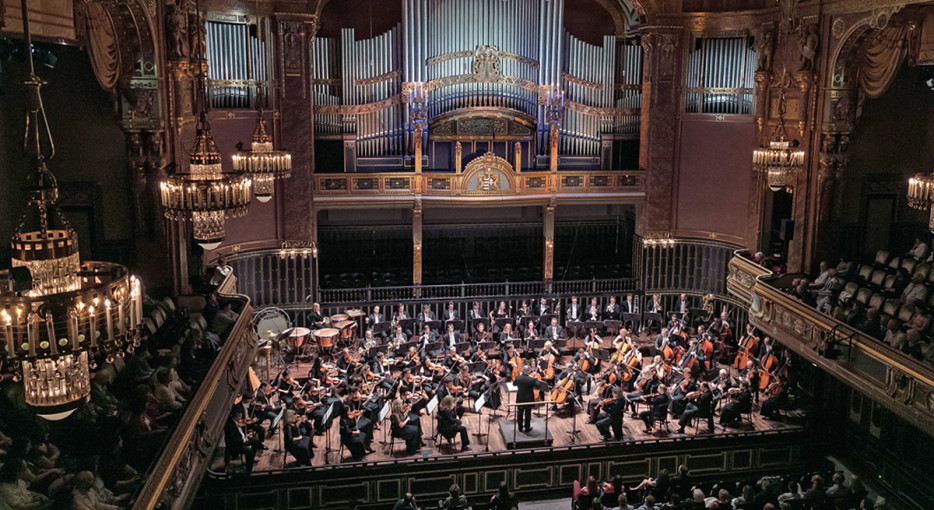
<point>205,195</point>
<point>263,163</point>
<point>58,313</point>
<point>780,160</point>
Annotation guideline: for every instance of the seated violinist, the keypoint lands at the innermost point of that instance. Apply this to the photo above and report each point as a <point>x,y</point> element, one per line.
<point>482,335</point>
<point>412,359</point>
<point>452,360</point>
<point>351,437</point>
<point>346,364</point>
<point>449,423</point>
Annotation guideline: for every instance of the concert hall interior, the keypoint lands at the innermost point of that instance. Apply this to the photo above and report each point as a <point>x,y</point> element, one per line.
<point>486,254</point>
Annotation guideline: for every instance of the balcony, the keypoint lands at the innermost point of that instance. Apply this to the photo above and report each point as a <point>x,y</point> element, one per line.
<point>888,376</point>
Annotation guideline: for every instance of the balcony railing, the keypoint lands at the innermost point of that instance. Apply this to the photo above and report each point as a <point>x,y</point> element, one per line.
<point>888,376</point>
<point>174,480</point>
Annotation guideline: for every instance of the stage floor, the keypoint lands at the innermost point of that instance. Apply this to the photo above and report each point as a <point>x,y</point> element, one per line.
<point>559,427</point>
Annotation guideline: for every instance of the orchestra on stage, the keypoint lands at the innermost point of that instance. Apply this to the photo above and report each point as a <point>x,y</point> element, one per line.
<point>657,365</point>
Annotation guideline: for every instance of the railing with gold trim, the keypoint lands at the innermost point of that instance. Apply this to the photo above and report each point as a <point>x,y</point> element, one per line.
<point>174,480</point>
<point>457,184</point>
<point>886,375</point>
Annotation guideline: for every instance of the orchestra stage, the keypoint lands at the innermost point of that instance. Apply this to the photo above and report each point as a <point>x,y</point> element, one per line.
<point>560,427</point>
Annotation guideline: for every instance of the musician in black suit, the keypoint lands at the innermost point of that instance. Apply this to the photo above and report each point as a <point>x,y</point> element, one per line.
<point>449,424</point>
<point>629,306</point>
<point>449,314</point>
<point>658,409</point>
<point>525,386</point>
<point>542,308</point>
<point>612,310</point>
<point>426,314</point>
<point>683,306</point>
<point>741,403</point>
<point>450,337</point>
<point>701,407</point>
<point>238,441</point>
<point>375,318</point>
<point>575,310</point>
<point>593,311</point>
<point>554,331</point>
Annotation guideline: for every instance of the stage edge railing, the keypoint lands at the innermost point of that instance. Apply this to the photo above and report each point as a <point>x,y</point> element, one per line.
<point>173,482</point>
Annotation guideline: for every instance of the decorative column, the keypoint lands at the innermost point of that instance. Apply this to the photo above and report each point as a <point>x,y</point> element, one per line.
<point>416,95</point>
<point>417,244</point>
<point>660,116</point>
<point>294,34</point>
<point>458,157</point>
<point>549,231</point>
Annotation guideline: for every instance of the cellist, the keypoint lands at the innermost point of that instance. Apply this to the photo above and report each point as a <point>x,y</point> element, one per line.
<point>547,359</point>
<point>585,361</point>
<point>748,346</point>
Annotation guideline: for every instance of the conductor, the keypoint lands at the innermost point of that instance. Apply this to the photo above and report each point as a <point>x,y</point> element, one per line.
<point>524,393</point>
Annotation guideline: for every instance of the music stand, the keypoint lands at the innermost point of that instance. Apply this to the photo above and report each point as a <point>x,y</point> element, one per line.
<point>560,344</point>
<point>499,323</point>
<point>479,366</point>
<point>458,324</point>
<point>612,325</point>
<point>430,409</point>
<point>486,346</point>
<point>524,322</point>
<point>537,343</point>
<point>574,432</point>
<point>652,318</point>
<point>406,346</point>
<point>407,325</point>
<point>275,426</point>
<point>634,318</point>
<point>462,347</point>
<point>482,320</point>
<point>327,439</point>
<point>434,347</point>
<point>593,324</point>
<point>382,416</point>
<point>381,328</point>
<point>545,320</point>
<point>434,325</point>
<point>478,408</point>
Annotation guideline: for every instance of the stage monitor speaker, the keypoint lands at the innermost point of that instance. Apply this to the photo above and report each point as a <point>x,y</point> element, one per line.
<point>22,278</point>
<point>787,231</point>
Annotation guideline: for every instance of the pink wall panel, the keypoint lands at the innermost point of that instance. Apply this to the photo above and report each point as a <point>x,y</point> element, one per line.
<point>715,176</point>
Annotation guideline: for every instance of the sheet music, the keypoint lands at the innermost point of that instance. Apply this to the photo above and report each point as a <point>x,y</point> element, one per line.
<point>432,404</point>
<point>384,411</point>
<point>327,414</point>
<point>478,405</point>
<point>277,419</point>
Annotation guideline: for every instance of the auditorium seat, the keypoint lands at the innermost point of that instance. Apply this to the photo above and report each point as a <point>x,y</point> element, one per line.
<point>865,273</point>
<point>882,256</point>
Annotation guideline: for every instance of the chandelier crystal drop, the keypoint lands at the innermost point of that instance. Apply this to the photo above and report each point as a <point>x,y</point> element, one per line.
<point>263,163</point>
<point>58,313</point>
<point>780,160</point>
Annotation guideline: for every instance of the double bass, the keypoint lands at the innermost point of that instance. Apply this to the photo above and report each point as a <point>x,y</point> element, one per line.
<point>515,361</point>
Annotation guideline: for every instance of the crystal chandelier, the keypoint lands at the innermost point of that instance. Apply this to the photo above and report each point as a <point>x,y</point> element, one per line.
<point>780,160</point>
<point>56,312</point>
<point>263,163</point>
<point>205,195</point>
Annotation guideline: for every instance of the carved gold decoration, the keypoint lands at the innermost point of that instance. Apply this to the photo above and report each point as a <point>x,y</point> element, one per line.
<point>458,155</point>
<point>488,173</point>
<point>331,82</point>
<point>391,75</point>
<point>838,28</point>
<point>475,78</point>
<point>467,54</point>
<point>486,63</point>
<point>582,82</point>
<point>518,156</point>
<point>357,109</point>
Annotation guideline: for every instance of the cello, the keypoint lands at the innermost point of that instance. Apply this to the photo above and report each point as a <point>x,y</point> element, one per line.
<point>768,369</point>
<point>749,344</point>
<point>566,384</point>
<point>516,362</point>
